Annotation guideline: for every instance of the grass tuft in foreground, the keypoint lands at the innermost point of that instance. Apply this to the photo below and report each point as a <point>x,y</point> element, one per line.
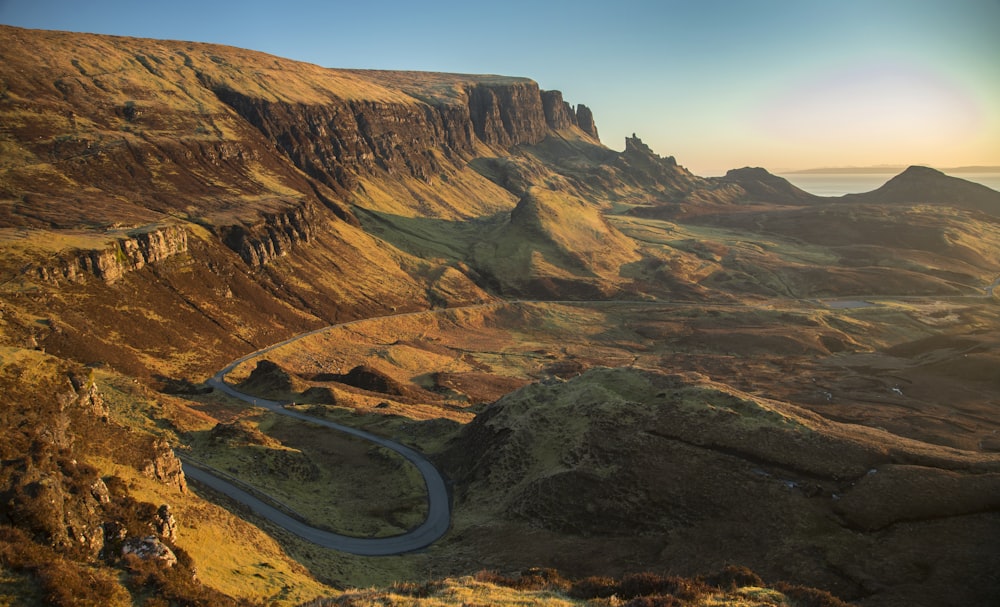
<point>732,587</point>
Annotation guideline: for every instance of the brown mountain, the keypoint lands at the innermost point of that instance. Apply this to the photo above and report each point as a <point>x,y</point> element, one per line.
<point>763,186</point>
<point>919,184</point>
<point>195,177</point>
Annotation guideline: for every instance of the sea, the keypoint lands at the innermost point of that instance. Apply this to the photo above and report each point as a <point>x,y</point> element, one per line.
<point>838,184</point>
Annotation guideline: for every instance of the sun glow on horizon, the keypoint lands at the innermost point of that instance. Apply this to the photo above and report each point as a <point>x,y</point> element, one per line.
<point>875,114</point>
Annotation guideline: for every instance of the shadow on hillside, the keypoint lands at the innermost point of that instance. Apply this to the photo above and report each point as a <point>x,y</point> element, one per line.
<point>427,237</point>
<point>180,387</point>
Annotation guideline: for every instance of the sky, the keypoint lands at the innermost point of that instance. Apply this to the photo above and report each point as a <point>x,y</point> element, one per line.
<point>718,84</point>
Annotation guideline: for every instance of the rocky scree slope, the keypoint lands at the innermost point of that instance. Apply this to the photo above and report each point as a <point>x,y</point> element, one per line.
<point>72,532</point>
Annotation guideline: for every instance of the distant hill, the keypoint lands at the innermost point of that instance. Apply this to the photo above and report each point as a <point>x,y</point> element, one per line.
<point>925,185</point>
<point>761,185</point>
<point>887,170</point>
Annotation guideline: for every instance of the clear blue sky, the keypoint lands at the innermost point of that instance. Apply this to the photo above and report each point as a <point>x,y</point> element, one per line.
<point>783,84</point>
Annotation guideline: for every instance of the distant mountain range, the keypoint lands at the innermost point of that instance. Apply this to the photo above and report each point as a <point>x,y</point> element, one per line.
<point>888,170</point>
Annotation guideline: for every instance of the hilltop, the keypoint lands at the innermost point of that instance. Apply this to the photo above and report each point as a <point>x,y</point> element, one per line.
<point>893,170</point>
<point>925,185</point>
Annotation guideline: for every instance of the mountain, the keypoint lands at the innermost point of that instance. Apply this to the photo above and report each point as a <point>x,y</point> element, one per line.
<point>763,186</point>
<point>890,169</point>
<point>618,363</point>
<point>172,157</point>
<point>925,185</point>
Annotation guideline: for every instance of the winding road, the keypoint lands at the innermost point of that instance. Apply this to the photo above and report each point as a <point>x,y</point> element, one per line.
<point>438,501</point>
<point>438,518</point>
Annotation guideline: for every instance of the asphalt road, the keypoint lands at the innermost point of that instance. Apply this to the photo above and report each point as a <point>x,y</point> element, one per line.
<point>438,501</point>
<point>439,504</point>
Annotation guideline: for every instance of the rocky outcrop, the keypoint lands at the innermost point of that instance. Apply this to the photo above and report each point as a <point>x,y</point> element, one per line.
<point>275,235</point>
<point>51,500</point>
<point>561,115</point>
<point>267,378</point>
<point>87,396</point>
<point>165,523</point>
<point>47,487</point>
<point>640,166</point>
<point>636,149</point>
<point>163,465</point>
<point>558,113</point>
<point>585,120</point>
<point>149,548</point>
<point>367,378</point>
<point>137,249</point>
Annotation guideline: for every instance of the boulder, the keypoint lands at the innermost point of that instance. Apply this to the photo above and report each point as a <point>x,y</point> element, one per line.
<point>151,549</point>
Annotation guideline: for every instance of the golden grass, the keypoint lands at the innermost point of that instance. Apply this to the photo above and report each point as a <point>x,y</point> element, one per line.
<point>555,234</point>
<point>468,591</point>
<point>434,86</point>
<point>28,242</point>
<point>506,340</point>
<point>167,71</point>
<point>455,592</point>
<point>32,367</point>
<point>456,195</point>
<point>333,481</point>
<point>231,554</point>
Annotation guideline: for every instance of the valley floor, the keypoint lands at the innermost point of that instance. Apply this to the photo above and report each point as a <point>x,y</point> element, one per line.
<point>884,364</point>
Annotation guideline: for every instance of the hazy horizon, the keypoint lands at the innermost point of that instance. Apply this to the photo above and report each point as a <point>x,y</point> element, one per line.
<point>784,85</point>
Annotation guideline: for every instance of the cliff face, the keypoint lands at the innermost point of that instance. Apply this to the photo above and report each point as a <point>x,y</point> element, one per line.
<point>339,140</point>
<point>133,129</point>
<point>561,115</point>
<point>126,254</point>
<point>263,159</point>
<point>276,234</point>
<point>507,115</point>
<point>264,153</point>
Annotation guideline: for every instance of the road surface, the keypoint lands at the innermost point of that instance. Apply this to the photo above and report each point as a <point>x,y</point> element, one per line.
<point>438,501</point>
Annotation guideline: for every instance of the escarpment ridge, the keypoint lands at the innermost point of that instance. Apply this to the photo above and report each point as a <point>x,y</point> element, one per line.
<point>201,122</point>
<point>197,163</point>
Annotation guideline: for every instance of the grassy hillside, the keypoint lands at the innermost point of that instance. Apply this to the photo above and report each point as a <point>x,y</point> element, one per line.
<point>741,358</point>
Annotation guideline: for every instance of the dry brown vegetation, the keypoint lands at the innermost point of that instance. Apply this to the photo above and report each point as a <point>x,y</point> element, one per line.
<point>739,358</point>
<point>733,587</point>
<point>763,356</point>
